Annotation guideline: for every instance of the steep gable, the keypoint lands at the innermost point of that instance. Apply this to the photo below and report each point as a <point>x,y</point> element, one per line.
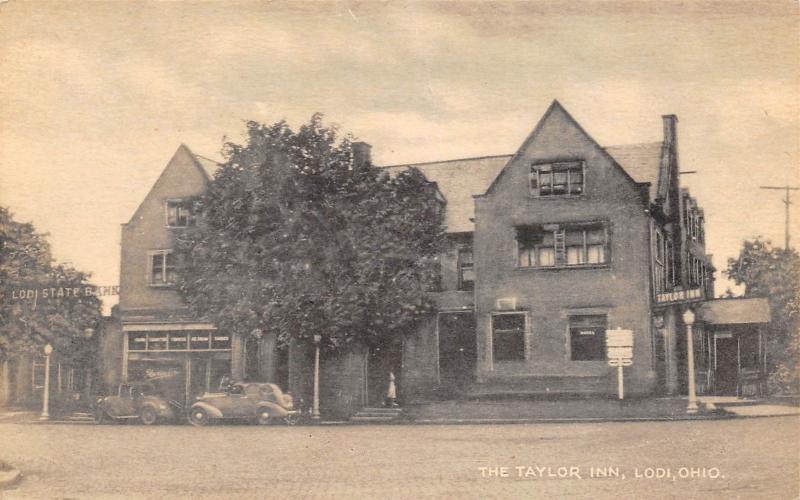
<point>184,176</point>
<point>547,141</point>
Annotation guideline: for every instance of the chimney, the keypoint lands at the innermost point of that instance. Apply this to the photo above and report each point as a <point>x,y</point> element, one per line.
<point>362,155</point>
<point>670,129</point>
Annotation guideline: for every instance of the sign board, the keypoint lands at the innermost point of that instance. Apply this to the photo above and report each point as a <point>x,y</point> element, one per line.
<point>619,338</point>
<point>620,362</point>
<point>619,350</point>
<point>678,296</point>
<point>620,353</point>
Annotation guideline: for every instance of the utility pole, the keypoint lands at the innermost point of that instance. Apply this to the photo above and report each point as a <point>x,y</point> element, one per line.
<point>786,201</point>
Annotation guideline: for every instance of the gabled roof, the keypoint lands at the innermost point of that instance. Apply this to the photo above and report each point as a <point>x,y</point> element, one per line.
<point>641,161</point>
<point>203,164</point>
<point>209,166</point>
<point>458,181</point>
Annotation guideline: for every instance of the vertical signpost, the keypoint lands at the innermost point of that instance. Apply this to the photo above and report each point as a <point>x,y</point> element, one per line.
<point>619,350</point>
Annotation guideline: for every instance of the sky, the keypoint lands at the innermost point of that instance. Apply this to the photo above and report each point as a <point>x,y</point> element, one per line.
<point>96,97</point>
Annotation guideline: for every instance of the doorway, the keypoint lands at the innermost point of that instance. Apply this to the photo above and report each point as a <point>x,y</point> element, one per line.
<point>381,360</point>
<point>457,349</point>
<point>726,365</point>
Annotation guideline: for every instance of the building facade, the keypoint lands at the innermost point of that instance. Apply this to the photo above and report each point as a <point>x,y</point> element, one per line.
<point>159,339</point>
<point>549,247</point>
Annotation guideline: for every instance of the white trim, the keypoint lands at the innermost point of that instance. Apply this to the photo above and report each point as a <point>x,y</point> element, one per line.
<point>166,327</point>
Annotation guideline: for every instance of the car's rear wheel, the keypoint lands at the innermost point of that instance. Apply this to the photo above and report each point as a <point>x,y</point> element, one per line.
<point>198,417</point>
<point>148,416</point>
<point>264,417</point>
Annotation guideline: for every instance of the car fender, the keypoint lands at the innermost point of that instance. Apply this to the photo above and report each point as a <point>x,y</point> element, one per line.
<point>165,412</point>
<point>212,411</point>
<point>274,410</point>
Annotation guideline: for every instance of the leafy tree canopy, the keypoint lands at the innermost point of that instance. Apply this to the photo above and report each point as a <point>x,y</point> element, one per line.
<point>773,273</point>
<point>293,237</point>
<point>26,326</point>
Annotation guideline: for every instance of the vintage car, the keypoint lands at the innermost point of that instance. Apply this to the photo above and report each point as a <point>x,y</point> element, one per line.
<point>263,403</point>
<point>135,400</point>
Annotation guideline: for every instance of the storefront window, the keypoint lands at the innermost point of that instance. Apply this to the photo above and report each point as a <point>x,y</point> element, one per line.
<point>220,340</point>
<point>587,337</point>
<point>177,341</point>
<point>199,340</point>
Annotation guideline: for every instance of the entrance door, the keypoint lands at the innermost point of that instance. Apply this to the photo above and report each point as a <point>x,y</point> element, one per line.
<point>726,366</point>
<point>457,349</point>
<point>380,361</point>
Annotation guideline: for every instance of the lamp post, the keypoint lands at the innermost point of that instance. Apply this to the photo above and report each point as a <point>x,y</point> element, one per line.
<point>315,404</point>
<point>688,320</point>
<point>48,350</point>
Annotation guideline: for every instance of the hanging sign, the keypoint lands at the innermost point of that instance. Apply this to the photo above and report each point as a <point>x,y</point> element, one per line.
<point>681,296</point>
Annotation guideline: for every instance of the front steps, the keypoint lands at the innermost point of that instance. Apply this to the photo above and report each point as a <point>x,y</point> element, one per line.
<point>377,415</point>
<point>540,387</point>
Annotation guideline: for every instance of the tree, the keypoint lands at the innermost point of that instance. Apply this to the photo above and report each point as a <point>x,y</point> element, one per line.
<point>26,326</point>
<point>294,238</point>
<point>774,273</point>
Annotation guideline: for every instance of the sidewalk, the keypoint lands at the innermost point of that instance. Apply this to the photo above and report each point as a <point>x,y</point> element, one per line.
<point>586,410</point>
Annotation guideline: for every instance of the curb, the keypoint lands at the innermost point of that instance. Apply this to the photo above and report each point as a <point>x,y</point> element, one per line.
<point>9,477</point>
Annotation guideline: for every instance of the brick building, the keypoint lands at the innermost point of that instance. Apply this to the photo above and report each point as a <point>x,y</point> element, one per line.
<point>549,247</point>
<point>552,245</point>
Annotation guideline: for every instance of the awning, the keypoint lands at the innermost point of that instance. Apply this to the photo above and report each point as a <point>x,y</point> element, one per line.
<point>734,311</point>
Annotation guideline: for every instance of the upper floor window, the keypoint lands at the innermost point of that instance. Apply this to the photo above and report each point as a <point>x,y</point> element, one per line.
<point>697,271</point>
<point>557,179</point>
<point>179,213</point>
<point>466,269</point>
<point>562,245</point>
<point>663,262</point>
<point>162,267</point>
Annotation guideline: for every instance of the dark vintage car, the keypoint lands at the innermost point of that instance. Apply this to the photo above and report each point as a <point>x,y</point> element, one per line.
<point>135,400</point>
<point>263,403</point>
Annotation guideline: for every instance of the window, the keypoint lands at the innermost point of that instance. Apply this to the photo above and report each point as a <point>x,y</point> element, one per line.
<point>562,246</point>
<point>664,264</point>
<point>508,337</point>
<point>162,268</point>
<point>466,269</point>
<point>179,213</point>
<point>195,340</point>
<point>587,337</point>
<point>557,179</point>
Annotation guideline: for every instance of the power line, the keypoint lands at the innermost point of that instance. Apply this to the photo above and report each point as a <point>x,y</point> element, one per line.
<point>786,201</point>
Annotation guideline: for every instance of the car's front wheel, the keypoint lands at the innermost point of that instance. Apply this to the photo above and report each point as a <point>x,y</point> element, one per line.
<point>148,416</point>
<point>198,417</point>
<point>264,417</point>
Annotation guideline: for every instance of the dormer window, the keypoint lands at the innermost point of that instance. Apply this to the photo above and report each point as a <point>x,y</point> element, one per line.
<point>557,179</point>
<point>179,213</point>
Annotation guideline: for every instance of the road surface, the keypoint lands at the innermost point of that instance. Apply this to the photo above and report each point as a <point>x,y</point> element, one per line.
<point>744,458</point>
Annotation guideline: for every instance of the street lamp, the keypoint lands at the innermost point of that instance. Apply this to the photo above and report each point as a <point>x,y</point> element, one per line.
<point>315,404</point>
<point>688,320</point>
<point>48,350</point>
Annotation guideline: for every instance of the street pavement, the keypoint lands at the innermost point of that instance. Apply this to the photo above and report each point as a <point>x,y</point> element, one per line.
<point>739,458</point>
